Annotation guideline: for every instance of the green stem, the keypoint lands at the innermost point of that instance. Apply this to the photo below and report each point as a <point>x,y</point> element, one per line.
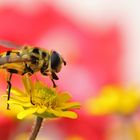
<point>36,128</point>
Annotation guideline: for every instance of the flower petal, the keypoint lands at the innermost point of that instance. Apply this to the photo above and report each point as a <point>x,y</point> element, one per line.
<point>71,105</point>
<point>23,104</point>
<point>20,99</point>
<point>4,96</point>
<point>16,98</point>
<point>27,84</point>
<point>17,92</point>
<point>41,110</point>
<point>64,97</point>
<point>69,114</point>
<point>54,112</point>
<point>16,108</point>
<point>25,113</point>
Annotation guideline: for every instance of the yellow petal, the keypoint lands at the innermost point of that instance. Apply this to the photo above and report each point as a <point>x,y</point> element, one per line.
<point>54,112</point>
<point>16,108</point>
<point>27,83</point>
<point>41,110</point>
<point>64,97</point>
<point>20,99</point>
<point>17,92</point>
<point>27,112</point>
<point>4,96</point>
<point>69,114</point>
<point>71,105</point>
<point>23,104</point>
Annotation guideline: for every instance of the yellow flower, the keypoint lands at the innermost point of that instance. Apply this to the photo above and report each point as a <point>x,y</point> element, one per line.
<point>42,101</point>
<point>113,99</point>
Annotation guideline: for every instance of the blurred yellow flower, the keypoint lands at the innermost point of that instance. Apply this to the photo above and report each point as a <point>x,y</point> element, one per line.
<point>114,99</point>
<point>42,101</point>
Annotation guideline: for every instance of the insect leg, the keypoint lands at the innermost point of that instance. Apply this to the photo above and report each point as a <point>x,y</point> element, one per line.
<point>54,85</point>
<point>31,99</point>
<point>9,88</point>
<point>54,77</point>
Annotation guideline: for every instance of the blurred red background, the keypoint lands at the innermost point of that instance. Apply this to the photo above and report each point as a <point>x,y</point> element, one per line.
<point>93,50</point>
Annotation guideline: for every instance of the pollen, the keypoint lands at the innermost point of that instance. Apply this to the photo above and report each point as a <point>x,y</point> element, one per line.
<point>43,96</point>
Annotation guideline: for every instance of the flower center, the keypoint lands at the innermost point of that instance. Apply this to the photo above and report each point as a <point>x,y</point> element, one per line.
<point>43,96</point>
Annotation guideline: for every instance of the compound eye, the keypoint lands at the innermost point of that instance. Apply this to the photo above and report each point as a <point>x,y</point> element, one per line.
<point>55,60</point>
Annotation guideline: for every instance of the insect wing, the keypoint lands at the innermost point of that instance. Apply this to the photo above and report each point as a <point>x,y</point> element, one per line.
<point>9,44</point>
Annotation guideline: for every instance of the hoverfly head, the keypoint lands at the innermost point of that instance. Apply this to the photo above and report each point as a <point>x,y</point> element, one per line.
<point>56,61</point>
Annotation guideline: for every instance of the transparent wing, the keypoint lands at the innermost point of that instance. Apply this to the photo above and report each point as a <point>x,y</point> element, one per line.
<point>9,44</point>
<point>17,59</point>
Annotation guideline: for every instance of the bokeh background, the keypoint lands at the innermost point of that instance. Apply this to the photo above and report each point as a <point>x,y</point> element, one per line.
<point>99,39</point>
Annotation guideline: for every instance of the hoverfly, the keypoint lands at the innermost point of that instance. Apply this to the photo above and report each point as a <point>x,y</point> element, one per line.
<point>28,60</point>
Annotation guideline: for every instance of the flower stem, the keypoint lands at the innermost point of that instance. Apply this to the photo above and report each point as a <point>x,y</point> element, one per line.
<point>36,128</point>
